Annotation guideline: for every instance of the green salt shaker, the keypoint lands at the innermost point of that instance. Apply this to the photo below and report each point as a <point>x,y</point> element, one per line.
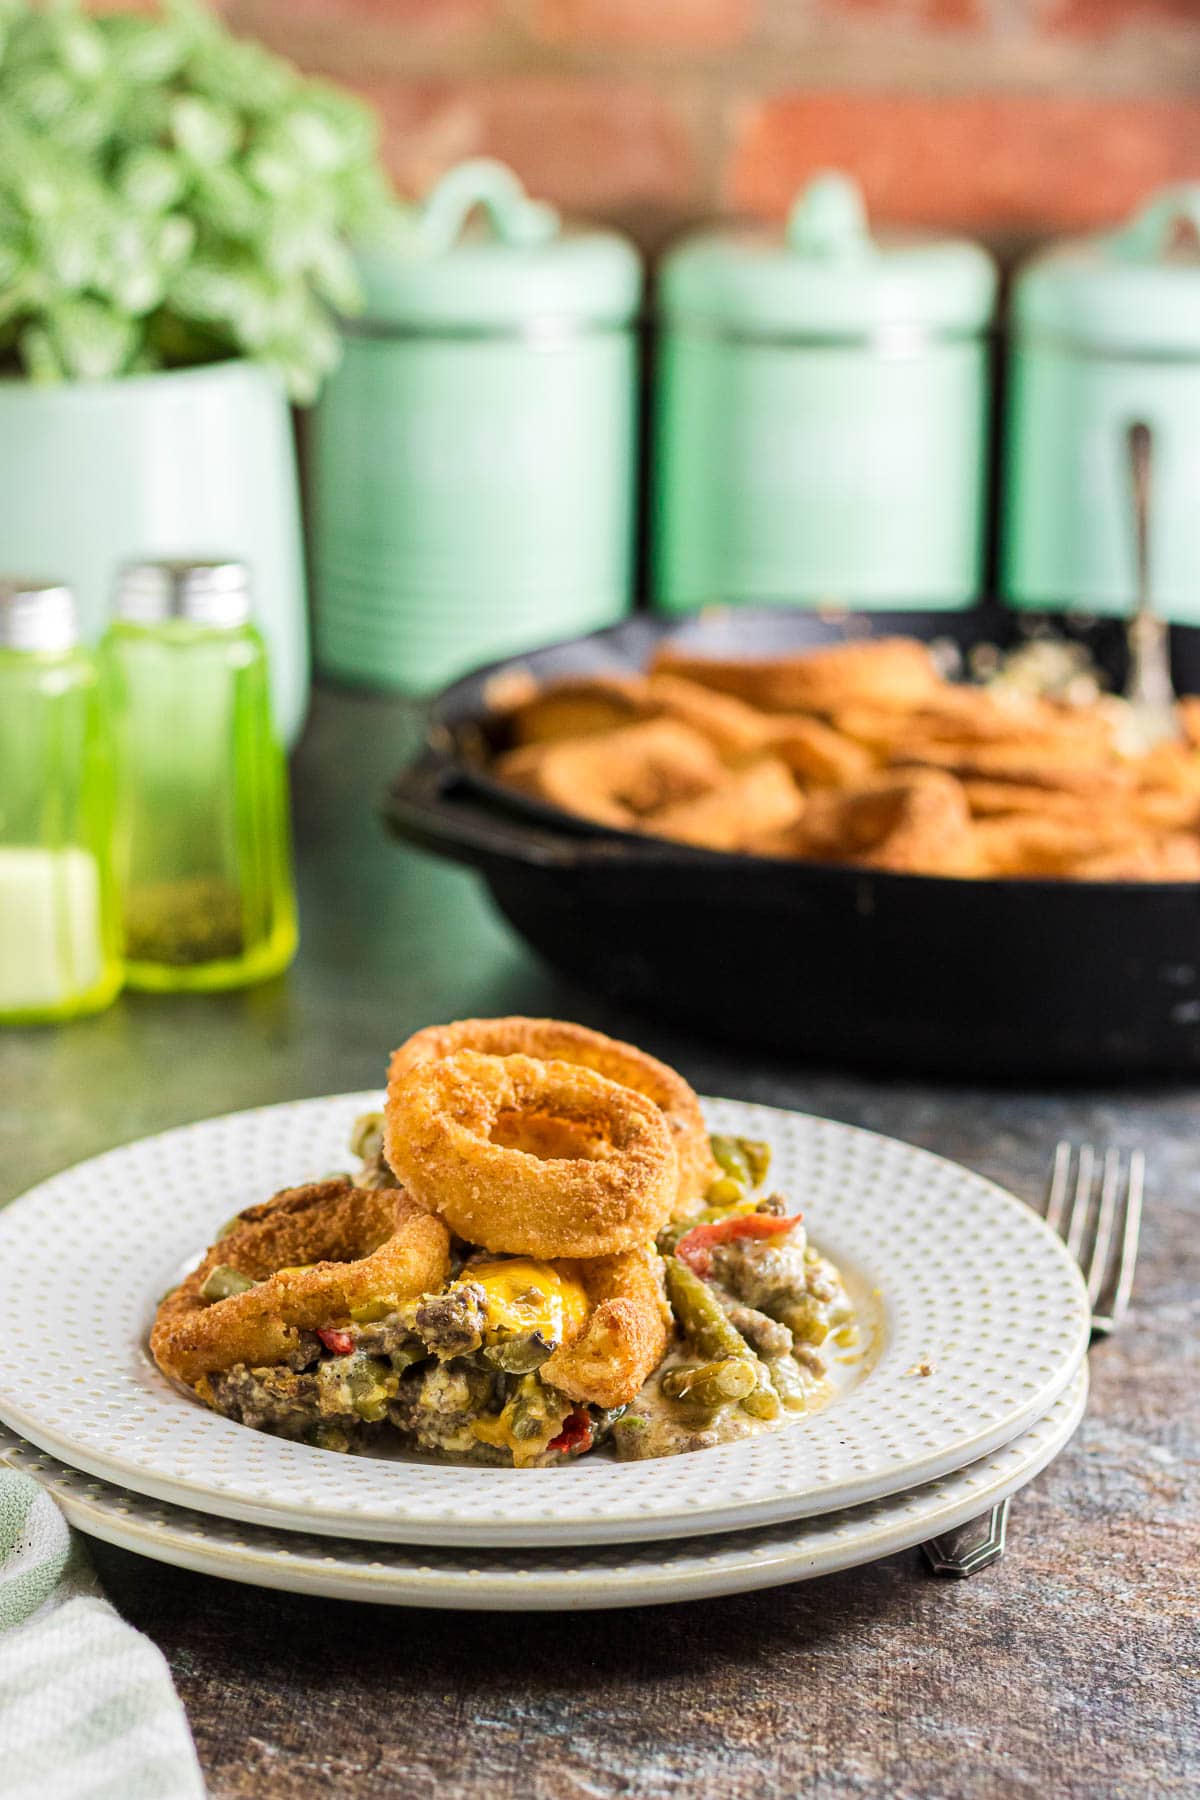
<point>202,846</point>
<point>59,936</point>
<point>822,413</point>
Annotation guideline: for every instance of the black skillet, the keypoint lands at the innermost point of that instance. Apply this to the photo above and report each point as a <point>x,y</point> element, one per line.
<point>1011,979</point>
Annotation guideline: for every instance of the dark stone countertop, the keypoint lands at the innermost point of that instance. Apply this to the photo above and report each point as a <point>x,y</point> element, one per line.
<point>1070,1669</point>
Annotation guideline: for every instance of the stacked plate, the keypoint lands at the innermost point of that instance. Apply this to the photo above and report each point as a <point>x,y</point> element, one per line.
<point>968,1378</point>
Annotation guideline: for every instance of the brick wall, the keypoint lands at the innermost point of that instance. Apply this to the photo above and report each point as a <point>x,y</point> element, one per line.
<point>1010,118</point>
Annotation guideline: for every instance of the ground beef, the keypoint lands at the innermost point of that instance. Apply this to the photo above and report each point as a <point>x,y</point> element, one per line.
<point>437,1403</point>
<point>766,1273</point>
<point>453,1323</point>
<point>275,1399</point>
<point>766,1337</point>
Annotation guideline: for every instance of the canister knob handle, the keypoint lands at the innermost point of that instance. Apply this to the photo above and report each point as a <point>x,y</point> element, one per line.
<point>483,182</point>
<point>1152,230</point>
<point>829,219</point>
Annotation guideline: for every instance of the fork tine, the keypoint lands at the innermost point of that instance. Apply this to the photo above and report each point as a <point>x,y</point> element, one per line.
<point>1097,1264</point>
<point>1134,1189</point>
<point>1060,1175</point>
<point>1081,1201</point>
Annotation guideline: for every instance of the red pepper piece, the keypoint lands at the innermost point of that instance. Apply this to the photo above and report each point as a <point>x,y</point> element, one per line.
<point>576,1434</point>
<point>695,1248</point>
<point>338,1343</point>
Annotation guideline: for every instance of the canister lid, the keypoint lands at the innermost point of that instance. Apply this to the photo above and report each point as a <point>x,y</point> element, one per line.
<point>440,268</point>
<point>1135,289</point>
<point>827,276</point>
<point>211,593</point>
<point>37,615</point>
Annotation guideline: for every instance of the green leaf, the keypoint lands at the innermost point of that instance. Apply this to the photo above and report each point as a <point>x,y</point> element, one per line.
<point>80,45</point>
<point>93,341</point>
<point>39,355</point>
<point>171,194</point>
<point>205,132</point>
<point>151,180</point>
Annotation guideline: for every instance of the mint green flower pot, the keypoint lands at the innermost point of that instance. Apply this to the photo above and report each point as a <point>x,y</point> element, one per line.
<point>191,462</point>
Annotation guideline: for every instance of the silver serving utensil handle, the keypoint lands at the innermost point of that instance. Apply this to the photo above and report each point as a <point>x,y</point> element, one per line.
<point>1148,690</point>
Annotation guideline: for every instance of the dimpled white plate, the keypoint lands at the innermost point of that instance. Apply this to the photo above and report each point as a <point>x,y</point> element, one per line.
<point>976,1318</point>
<point>552,1580</point>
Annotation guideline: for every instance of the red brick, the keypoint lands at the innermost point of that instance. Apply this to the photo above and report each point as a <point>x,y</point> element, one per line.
<point>1096,18</point>
<point>436,18</point>
<point>1009,162</point>
<point>683,24</point>
<point>937,14</point>
<point>583,144</point>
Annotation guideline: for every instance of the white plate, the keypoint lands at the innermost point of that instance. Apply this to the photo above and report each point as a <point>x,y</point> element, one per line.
<point>954,1275</point>
<point>552,1580</point>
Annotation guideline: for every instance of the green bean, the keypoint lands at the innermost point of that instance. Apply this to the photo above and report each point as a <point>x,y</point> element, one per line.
<point>788,1382</point>
<point>529,1415</point>
<point>223,1282</point>
<point>756,1153</point>
<point>519,1355</point>
<point>804,1320</point>
<point>728,1153</point>
<point>762,1402</point>
<point>366,1135</point>
<point>711,1385</point>
<point>701,1315</point>
<point>372,1384</point>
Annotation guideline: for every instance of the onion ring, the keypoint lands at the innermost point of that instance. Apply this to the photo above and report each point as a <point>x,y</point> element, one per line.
<point>616,777</point>
<point>364,1244</point>
<point>543,1159</point>
<point>578,707</point>
<point>897,672</point>
<point>760,798</point>
<point>915,821</point>
<point>625,1337</point>
<point>557,1040</point>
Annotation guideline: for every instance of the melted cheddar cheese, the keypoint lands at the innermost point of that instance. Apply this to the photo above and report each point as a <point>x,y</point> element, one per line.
<point>523,1295</point>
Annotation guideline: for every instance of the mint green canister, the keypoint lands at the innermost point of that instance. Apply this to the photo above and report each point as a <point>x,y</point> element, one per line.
<point>822,413</point>
<point>1106,334</point>
<point>473,455</point>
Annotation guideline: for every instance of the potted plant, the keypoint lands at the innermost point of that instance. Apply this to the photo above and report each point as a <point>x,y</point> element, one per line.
<point>175,205</point>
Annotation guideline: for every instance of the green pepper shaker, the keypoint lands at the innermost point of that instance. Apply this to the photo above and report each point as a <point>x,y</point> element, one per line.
<point>202,842</point>
<point>59,938</point>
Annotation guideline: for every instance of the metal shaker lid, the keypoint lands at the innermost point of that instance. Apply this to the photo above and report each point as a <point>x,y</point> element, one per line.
<point>37,615</point>
<point>215,593</point>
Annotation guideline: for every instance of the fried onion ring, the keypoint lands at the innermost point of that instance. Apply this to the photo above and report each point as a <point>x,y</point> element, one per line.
<point>543,1159</point>
<point>625,1337</point>
<point>819,756</point>
<point>616,777</point>
<point>915,821</point>
<point>759,799</point>
<point>895,672</point>
<point>579,707</point>
<point>363,1244</point>
<point>557,1040</point>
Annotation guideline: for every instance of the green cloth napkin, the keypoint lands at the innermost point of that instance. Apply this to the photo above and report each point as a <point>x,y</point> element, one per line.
<point>87,1709</point>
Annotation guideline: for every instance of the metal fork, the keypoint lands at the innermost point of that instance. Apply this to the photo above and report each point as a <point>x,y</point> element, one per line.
<point>1094,1203</point>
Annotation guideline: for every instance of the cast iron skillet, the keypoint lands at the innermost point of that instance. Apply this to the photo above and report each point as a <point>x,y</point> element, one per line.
<point>1011,979</point>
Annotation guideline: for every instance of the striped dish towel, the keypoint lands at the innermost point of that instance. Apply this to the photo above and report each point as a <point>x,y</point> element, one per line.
<point>87,1709</point>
